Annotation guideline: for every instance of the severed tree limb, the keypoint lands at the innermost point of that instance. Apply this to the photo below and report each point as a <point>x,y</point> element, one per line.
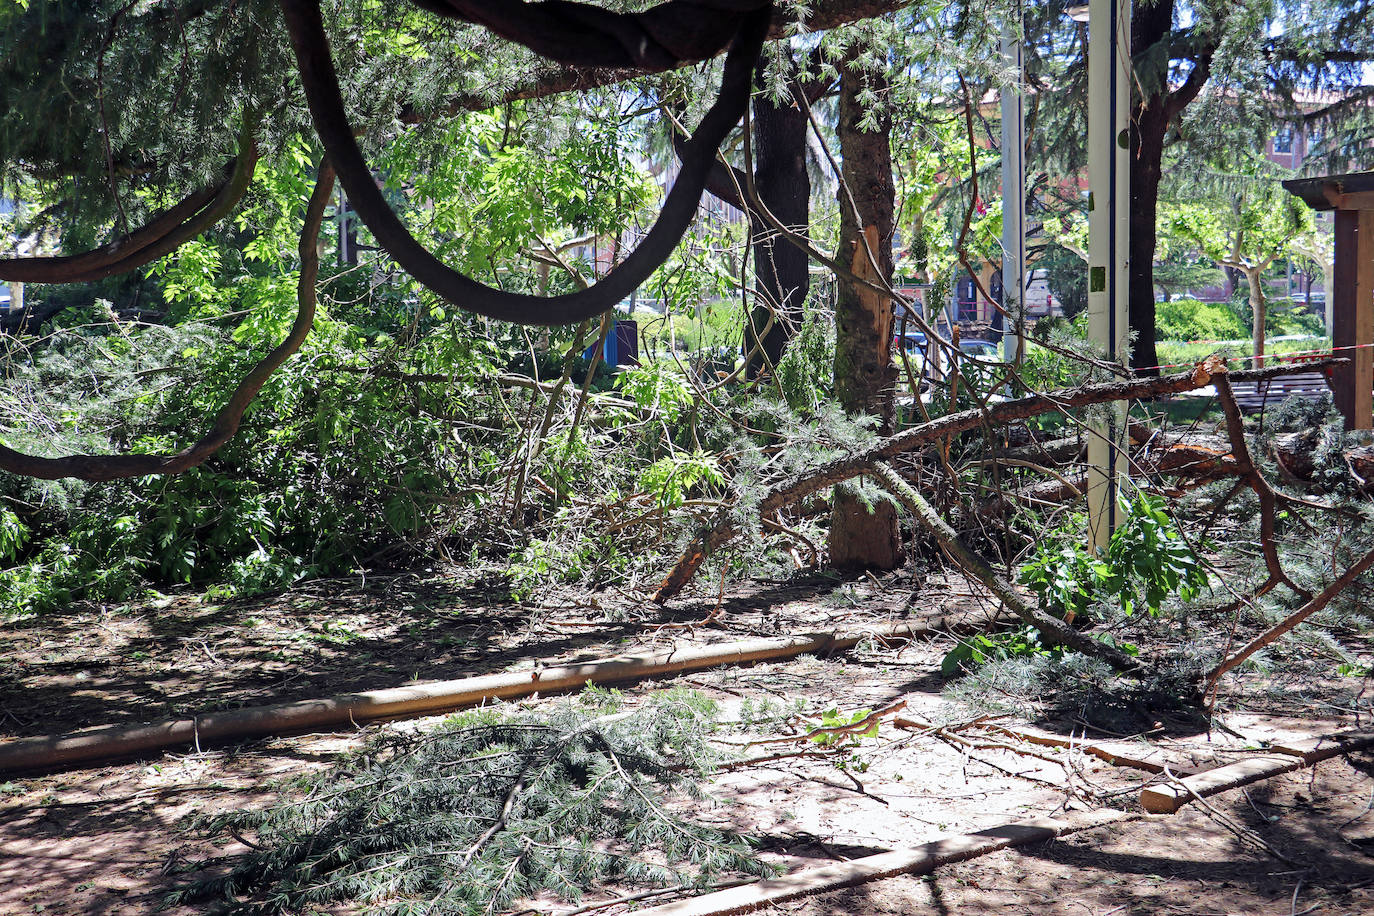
<point>1264,491</point>
<point>1291,621</point>
<point>226,423</point>
<point>162,235</point>
<point>724,528</point>
<point>1053,630</point>
<point>584,35</point>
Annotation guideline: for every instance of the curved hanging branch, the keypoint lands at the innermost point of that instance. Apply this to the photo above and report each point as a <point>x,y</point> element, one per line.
<point>583,35</point>
<point>114,467</point>
<point>162,234</point>
<point>321,86</point>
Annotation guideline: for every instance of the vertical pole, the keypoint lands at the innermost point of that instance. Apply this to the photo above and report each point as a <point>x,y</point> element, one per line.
<point>1109,96</point>
<point>341,215</point>
<point>1352,321</point>
<point>1013,195</point>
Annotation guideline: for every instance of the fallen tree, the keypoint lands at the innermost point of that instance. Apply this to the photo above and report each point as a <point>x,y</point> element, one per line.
<point>725,526</point>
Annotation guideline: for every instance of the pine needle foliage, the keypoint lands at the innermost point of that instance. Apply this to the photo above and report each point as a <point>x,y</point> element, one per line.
<point>490,808</point>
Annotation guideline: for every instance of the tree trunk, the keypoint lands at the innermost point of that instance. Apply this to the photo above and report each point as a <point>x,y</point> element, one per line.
<point>864,536</point>
<point>1150,24</point>
<point>784,187</point>
<point>1257,309</point>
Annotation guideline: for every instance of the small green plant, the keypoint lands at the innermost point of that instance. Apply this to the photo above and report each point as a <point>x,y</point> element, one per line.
<point>1146,561</point>
<point>833,718</point>
<point>669,479</point>
<point>657,387</point>
<point>13,535</point>
<point>982,648</point>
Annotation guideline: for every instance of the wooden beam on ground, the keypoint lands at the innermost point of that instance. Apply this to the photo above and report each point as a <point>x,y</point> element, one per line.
<point>51,752</point>
<point>1313,750</point>
<point>1287,757</point>
<point>1167,798</point>
<point>919,860</point>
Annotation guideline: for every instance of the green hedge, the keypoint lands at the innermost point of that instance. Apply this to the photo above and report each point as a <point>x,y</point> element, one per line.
<point>1189,319</point>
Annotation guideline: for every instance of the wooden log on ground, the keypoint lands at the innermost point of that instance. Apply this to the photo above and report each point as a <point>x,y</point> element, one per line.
<point>1167,798</point>
<point>50,752</point>
<point>920,860</point>
<point>1313,750</point>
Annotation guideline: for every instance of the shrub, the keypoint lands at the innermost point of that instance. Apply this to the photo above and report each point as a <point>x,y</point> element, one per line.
<point>1189,319</point>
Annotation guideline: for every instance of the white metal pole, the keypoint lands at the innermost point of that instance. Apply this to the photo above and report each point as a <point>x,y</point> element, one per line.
<point>1109,95</point>
<point>1013,195</point>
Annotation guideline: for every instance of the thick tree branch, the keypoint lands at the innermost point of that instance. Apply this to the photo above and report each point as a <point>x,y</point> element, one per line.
<point>331,122</point>
<point>226,424</point>
<point>162,235</point>
<point>1292,620</point>
<point>823,15</point>
<point>1181,97</point>
<point>1267,495</point>
<point>585,35</point>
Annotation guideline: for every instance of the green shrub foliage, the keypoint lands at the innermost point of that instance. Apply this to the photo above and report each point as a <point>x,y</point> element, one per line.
<point>1189,319</point>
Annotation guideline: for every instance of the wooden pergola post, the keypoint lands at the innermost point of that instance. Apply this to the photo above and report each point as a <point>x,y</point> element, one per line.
<point>1351,196</point>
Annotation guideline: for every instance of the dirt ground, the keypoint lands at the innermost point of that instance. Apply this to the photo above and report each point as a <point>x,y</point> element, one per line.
<point>108,839</point>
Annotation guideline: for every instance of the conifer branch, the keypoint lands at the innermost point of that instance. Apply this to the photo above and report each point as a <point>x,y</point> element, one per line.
<point>227,421</point>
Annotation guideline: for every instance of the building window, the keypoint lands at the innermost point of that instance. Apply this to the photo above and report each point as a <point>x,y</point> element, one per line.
<point>1283,141</point>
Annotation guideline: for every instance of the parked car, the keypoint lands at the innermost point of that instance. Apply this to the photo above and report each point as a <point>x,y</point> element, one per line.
<point>981,349</point>
<point>1040,300</point>
<point>913,344</point>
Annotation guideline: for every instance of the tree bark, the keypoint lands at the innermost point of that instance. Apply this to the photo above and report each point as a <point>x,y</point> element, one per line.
<point>780,267</point>
<point>1258,310</point>
<point>1154,43</point>
<point>1151,23</point>
<point>864,535</point>
<point>1146,160</point>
